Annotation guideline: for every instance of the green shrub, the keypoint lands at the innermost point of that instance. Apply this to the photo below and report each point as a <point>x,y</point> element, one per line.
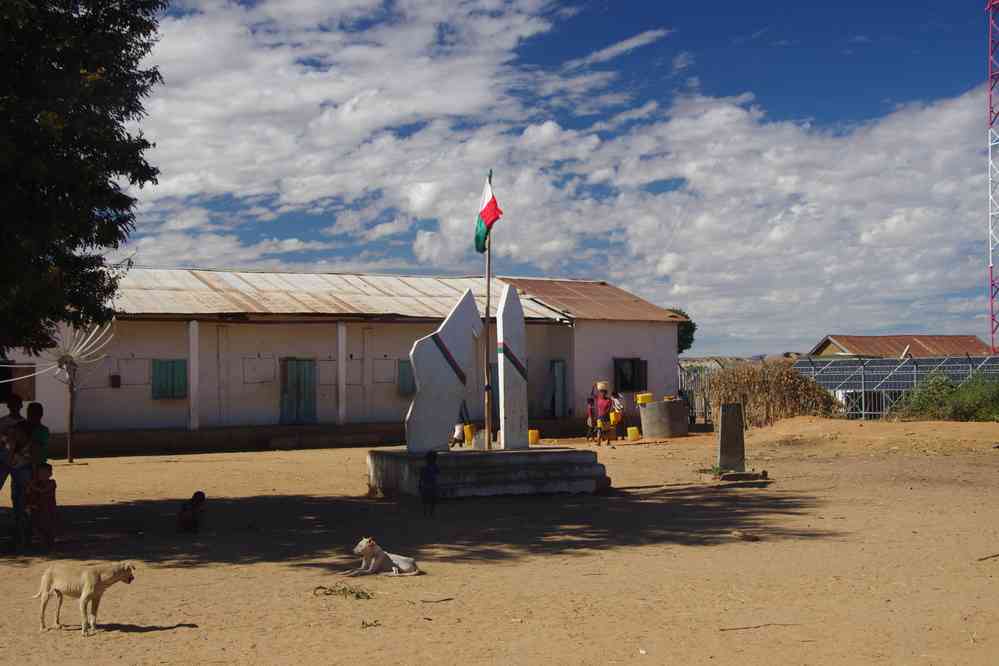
<point>938,398</point>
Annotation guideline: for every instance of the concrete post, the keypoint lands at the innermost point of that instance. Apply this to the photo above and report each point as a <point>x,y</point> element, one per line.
<point>193,371</point>
<point>341,372</point>
<point>731,439</point>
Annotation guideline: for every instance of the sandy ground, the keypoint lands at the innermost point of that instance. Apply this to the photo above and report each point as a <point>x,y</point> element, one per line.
<point>868,551</point>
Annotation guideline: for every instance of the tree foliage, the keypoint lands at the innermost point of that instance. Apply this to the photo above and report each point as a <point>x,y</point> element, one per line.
<point>940,399</point>
<point>71,93</point>
<point>685,332</point>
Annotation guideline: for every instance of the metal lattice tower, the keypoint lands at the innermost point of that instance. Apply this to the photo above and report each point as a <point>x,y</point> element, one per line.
<point>992,12</point>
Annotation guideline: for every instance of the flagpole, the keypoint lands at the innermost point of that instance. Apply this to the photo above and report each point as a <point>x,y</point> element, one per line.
<point>485,351</point>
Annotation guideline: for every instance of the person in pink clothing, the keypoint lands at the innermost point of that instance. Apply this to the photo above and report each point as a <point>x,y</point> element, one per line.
<point>603,406</point>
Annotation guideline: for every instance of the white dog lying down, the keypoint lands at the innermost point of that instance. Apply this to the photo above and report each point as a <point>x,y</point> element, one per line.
<point>374,560</point>
<point>88,584</point>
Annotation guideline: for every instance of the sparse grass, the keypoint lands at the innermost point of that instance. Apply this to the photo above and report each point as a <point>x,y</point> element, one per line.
<point>343,590</point>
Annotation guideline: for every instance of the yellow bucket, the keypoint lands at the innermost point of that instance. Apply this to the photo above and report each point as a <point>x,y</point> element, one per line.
<point>615,418</point>
<point>533,437</point>
<point>469,434</point>
<point>634,434</point>
<point>643,398</point>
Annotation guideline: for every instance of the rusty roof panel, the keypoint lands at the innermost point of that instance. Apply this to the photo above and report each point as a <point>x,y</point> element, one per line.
<point>592,300</point>
<point>165,292</point>
<point>919,346</point>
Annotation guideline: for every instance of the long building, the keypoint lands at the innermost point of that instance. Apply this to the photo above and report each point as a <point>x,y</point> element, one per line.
<point>202,349</point>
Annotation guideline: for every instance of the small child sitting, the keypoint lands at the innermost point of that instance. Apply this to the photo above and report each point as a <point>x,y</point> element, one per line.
<point>192,514</point>
<point>428,483</point>
<point>41,500</point>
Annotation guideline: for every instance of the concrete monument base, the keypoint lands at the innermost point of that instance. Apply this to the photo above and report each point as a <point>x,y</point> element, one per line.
<point>393,472</point>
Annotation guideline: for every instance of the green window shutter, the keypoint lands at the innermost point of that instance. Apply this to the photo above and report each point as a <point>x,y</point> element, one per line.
<point>169,379</point>
<point>162,380</point>
<point>307,375</point>
<point>407,381</point>
<point>179,379</point>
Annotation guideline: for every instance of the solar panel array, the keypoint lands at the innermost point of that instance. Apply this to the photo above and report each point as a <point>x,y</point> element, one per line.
<point>890,374</point>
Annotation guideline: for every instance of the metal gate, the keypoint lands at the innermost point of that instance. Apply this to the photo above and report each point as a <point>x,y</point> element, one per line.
<point>694,387</point>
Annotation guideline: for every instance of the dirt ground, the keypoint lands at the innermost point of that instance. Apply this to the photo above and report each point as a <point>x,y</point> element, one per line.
<point>864,549</point>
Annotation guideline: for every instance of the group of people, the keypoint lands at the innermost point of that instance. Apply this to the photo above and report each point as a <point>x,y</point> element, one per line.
<point>604,414</point>
<point>24,460</point>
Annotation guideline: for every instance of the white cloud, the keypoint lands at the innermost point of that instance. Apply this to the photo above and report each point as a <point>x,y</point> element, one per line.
<point>619,49</point>
<point>683,60</point>
<point>770,233</point>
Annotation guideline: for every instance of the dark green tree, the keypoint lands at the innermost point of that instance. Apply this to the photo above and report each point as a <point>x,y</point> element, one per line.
<point>685,334</point>
<point>71,91</point>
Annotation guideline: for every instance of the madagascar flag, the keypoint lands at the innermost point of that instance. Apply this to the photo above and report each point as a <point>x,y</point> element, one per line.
<point>489,212</point>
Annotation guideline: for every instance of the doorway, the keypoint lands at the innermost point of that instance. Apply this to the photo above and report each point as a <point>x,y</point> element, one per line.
<point>298,391</point>
<point>557,379</point>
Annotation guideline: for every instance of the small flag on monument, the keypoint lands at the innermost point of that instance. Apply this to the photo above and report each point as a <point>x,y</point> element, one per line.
<point>489,212</point>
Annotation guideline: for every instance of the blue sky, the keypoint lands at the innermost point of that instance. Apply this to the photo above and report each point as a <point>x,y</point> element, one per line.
<point>780,171</point>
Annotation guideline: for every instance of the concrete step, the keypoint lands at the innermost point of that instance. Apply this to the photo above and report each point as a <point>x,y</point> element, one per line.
<point>486,475</point>
<point>483,473</point>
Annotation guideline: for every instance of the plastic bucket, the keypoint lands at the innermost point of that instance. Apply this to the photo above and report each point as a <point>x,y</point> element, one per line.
<point>643,398</point>
<point>533,437</point>
<point>615,418</point>
<point>634,434</point>
<point>469,434</point>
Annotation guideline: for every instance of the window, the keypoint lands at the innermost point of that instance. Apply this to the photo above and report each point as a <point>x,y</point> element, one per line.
<point>631,375</point>
<point>169,379</point>
<point>407,382</point>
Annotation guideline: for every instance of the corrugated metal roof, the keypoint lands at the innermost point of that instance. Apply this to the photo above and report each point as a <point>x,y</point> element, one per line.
<point>193,292</point>
<point>920,346</point>
<point>592,300</point>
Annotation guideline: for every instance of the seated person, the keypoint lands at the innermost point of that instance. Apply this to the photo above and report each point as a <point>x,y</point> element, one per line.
<point>41,500</point>
<point>191,517</point>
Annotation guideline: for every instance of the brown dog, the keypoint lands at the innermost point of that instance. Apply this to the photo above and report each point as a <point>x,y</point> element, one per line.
<point>88,584</point>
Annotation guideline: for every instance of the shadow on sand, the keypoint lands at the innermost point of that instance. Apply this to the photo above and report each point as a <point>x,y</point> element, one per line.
<point>301,529</point>
<point>143,629</point>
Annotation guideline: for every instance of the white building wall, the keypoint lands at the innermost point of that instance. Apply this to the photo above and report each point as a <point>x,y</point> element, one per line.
<point>49,391</point>
<point>598,343</point>
<point>239,373</point>
<point>134,346</point>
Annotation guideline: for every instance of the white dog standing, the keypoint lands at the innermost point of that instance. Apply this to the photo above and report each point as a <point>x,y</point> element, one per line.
<point>88,584</point>
<point>374,560</point>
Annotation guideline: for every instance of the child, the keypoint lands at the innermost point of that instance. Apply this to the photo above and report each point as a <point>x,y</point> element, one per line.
<point>192,514</point>
<point>591,420</point>
<point>428,483</point>
<point>20,467</point>
<point>604,405</point>
<point>41,500</point>
<point>618,421</point>
<point>38,435</point>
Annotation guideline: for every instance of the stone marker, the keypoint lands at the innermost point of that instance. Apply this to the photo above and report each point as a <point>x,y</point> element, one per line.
<point>511,346</point>
<point>443,364</point>
<point>731,441</point>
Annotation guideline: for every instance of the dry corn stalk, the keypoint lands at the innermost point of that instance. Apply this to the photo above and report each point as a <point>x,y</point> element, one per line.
<point>769,392</point>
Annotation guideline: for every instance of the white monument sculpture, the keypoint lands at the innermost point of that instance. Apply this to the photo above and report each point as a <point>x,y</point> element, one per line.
<point>511,345</point>
<point>443,365</point>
